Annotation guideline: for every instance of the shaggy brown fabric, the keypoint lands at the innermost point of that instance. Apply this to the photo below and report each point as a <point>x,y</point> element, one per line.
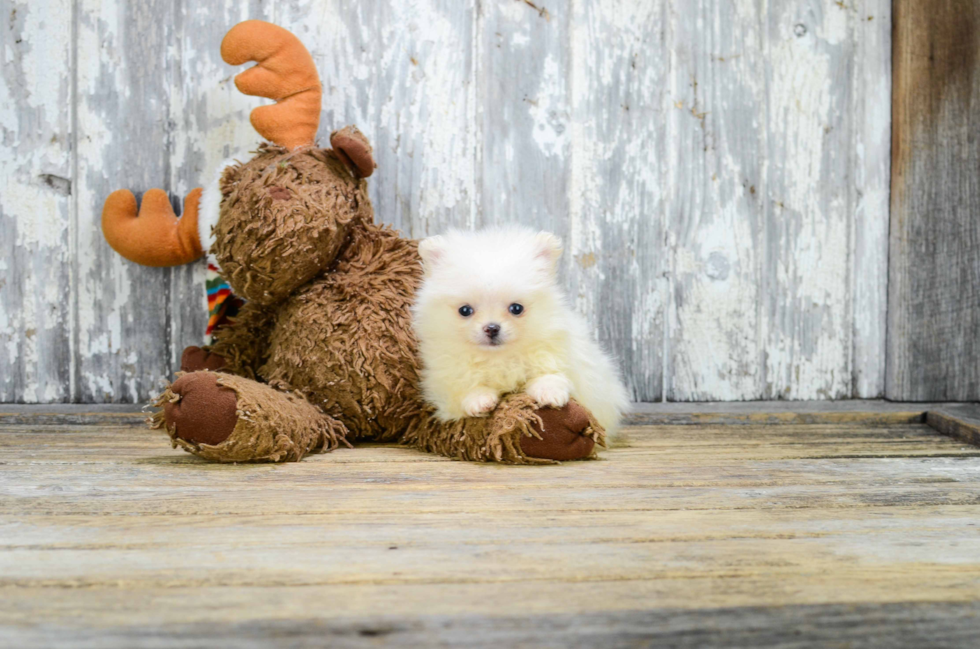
<point>194,359</point>
<point>347,339</point>
<point>268,247</point>
<point>505,435</point>
<point>280,193</point>
<point>495,438</point>
<point>272,425</point>
<point>244,344</point>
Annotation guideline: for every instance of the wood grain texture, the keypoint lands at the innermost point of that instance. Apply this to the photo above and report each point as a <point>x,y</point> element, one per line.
<point>809,53</point>
<point>124,67</point>
<point>941,625</point>
<point>718,170</point>
<point>770,194</point>
<point>35,201</point>
<point>673,413</point>
<point>934,267</point>
<point>716,210</point>
<point>959,421</point>
<point>689,535</point>
<point>403,73</point>
<point>614,252</point>
<point>869,164</point>
<point>524,114</point>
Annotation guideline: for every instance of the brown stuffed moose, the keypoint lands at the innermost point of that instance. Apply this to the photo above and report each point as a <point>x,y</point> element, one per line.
<point>322,352</point>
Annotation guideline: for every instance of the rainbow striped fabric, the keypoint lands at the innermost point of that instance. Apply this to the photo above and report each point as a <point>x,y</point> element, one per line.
<point>223,305</point>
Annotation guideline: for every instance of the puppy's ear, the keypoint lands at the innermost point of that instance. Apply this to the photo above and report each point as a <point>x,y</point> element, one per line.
<point>432,251</point>
<point>547,249</point>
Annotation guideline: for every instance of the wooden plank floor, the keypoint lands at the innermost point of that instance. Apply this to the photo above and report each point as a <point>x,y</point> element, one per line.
<point>683,535</point>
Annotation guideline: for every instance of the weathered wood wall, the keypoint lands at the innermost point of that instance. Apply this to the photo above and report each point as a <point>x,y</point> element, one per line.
<point>934,284</point>
<point>718,168</point>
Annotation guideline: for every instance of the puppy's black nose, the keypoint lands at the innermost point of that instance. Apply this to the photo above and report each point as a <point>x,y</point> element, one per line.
<point>492,330</point>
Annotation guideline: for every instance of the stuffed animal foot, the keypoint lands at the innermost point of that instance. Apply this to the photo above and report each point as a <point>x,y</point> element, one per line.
<point>565,434</point>
<point>195,359</point>
<point>516,432</point>
<point>227,418</point>
<point>199,410</point>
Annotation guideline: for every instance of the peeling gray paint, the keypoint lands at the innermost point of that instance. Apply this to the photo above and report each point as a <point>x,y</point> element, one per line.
<point>718,170</point>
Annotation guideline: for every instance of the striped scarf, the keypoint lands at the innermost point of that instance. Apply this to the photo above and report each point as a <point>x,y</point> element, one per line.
<point>223,305</point>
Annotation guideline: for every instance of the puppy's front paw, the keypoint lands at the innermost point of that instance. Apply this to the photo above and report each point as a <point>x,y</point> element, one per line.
<point>549,390</point>
<point>478,404</point>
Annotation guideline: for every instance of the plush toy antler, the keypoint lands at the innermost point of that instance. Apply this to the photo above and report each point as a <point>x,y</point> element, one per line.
<point>285,72</point>
<point>155,237</point>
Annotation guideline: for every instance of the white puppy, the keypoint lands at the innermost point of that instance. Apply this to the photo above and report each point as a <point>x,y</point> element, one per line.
<point>491,319</point>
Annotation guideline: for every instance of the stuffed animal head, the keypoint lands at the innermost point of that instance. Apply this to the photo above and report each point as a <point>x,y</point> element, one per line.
<point>283,216</point>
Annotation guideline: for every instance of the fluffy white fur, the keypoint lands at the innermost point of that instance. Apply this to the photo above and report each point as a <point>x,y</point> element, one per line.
<point>209,208</point>
<point>545,351</point>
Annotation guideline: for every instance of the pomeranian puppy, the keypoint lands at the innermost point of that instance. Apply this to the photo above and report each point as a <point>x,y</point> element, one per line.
<point>490,319</point>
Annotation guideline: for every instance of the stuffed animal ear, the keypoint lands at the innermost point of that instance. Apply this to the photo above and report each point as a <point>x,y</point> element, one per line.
<point>547,249</point>
<point>432,251</point>
<point>354,149</point>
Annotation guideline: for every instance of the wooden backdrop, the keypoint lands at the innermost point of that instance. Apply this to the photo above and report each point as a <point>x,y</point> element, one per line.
<point>934,256</point>
<point>719,170</point>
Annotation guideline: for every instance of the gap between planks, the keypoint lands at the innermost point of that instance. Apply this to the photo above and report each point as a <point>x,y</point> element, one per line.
<point>958,420</point>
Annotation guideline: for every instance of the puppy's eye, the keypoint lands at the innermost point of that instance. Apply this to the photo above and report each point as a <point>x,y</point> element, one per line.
<point>466,310</point>
<point>516,309</point>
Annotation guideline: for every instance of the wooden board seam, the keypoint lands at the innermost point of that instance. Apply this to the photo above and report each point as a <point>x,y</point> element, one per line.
<point>954,427</point>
